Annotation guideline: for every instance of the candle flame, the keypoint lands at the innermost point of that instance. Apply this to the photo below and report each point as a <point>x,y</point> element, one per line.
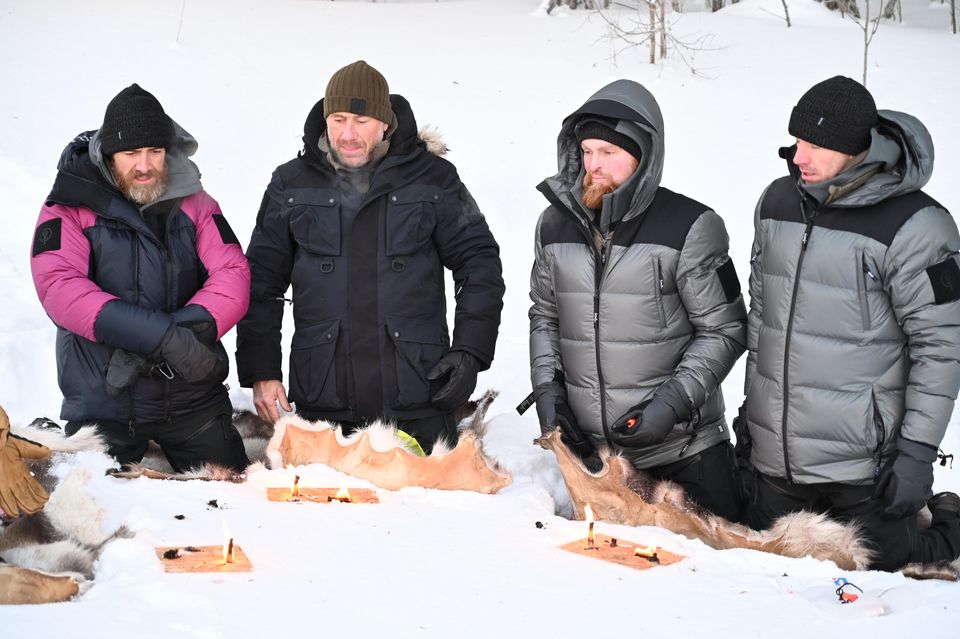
<point>343,495</point>
<point>588,513</point>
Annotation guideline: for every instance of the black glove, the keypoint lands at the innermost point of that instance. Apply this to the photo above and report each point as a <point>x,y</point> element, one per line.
<point>554,412</point>
<point>462,367</point>
<point>906,481</point>
<point>744,444</point>
<point>650,422</point>
<point>123,370</point>
<point>193,360</point>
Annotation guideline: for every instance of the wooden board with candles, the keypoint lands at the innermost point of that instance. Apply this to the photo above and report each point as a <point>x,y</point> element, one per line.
<point>623,552</point>
<point>324,495</point>
<point>202,559</point>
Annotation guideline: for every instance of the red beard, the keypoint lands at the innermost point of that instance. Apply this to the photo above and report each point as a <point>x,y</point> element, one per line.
<point>593,192</point>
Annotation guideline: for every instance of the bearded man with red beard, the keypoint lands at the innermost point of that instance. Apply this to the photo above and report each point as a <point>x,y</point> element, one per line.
<point>138,268</point>
<point>637,314</point>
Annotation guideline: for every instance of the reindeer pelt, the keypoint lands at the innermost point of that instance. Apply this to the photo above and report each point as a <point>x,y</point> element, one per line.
<point>66,536</point>
<point>620,494</point>
<point>377,455</point>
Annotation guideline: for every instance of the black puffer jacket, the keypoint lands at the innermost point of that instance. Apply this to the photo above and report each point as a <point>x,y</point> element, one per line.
<point>368,279</point>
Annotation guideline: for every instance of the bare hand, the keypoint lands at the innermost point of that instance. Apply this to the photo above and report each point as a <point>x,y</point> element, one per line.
<point>266,394</point>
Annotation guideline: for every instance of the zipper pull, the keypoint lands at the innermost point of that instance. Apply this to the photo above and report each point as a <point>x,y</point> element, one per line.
<point>693,436</point>
<point>870,274</point>
<point>596,318</point>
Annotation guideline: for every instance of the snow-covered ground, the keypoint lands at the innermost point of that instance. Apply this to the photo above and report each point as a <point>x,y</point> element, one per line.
<point>496,77</point>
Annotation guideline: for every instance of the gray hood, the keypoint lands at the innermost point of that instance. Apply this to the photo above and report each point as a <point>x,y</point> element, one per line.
<point>183,176</point>
<point>898,161</point>
<point>640,118</point>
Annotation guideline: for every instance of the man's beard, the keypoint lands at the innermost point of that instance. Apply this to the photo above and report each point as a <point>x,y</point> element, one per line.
<point>593,192</point>
<point>142,194</point>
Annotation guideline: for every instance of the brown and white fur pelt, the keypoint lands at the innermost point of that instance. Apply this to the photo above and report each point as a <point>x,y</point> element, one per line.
<point>50,555</point>
<point>374,453</point>
<point>620,494</point>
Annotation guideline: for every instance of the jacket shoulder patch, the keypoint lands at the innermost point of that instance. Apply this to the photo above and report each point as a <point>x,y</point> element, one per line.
<point>945,280</point>
<point>729,280</point>
<point>47,236</point>
<point>226,233</point>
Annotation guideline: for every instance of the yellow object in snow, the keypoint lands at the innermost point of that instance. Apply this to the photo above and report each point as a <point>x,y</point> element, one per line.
<point>410,443</point>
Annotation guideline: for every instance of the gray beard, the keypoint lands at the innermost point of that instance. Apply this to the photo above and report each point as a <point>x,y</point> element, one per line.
<point>144,195</point>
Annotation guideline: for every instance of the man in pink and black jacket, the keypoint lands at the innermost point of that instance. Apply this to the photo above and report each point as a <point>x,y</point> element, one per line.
<point>142,275</point>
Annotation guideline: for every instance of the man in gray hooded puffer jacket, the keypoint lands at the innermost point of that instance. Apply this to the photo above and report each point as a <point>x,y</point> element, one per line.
<point>637,314</point>
<point>854,332</point>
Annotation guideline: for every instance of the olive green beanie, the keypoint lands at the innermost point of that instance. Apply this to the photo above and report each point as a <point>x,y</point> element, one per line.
<point>358,88</point>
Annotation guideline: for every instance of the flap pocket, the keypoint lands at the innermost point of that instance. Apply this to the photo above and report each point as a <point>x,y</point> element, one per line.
<point>315,221</point>
<point>411,218</point>
<point>316,335</point>
<point>404,329</point>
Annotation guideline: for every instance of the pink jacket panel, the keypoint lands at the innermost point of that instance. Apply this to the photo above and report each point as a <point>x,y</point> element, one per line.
<point>61,277</point>
<point>226,293</point>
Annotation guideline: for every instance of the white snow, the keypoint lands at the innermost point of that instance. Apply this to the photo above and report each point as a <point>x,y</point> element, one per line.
<point>496,77</point>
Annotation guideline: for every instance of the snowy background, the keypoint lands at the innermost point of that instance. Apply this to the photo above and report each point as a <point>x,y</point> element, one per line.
<point>496,77</point>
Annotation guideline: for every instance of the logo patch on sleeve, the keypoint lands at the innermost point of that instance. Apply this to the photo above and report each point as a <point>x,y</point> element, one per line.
<point>47,236</point>
<point>729,280</point>
<point>945,280</point>
<point>226,233</point>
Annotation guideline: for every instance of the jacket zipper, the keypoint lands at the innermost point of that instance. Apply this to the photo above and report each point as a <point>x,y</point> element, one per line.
<point>881,432</point>
<point>658,293</point>
<point>168,267</point>
<point>786,350</point>
<point>862,288</point>
<point>600,265</point>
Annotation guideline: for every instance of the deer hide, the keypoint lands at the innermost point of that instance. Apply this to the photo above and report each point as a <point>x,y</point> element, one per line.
<point>24,586</point>
<point>620,494</point>
<point>376,455</point>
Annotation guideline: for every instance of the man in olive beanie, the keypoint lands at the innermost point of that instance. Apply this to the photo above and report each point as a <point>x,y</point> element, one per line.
<point>364,224</point>
<point>853,345</point>
<point>138,268</point>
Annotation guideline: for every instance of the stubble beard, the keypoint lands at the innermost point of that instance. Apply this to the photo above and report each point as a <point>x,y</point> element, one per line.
<point>142,194</point>
<point>593,192</point>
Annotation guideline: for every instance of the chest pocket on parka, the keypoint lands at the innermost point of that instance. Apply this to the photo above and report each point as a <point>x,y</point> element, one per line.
<point>411,218</point>
<point>315,221</point>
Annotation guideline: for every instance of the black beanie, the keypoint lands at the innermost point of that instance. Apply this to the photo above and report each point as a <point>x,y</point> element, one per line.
<point>134,119</point>
<point>595,129</point>
<point>836,114</point>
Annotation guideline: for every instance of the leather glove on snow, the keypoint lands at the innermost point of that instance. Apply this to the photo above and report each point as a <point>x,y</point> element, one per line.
<point>906,480</point>
<point>649,422</point>
<point>20,493</point>
<point>188,356</point>
<point>462,368</point>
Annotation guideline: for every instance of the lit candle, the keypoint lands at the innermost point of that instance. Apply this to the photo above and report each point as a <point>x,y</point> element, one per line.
<point>588,513</point>
<point>343,495</point>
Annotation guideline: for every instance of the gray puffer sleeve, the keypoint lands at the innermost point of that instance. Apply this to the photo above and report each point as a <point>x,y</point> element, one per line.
<point>544,322</point>
<point>755,317</point>
<point>922,278</point>
<point>710,291</point>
